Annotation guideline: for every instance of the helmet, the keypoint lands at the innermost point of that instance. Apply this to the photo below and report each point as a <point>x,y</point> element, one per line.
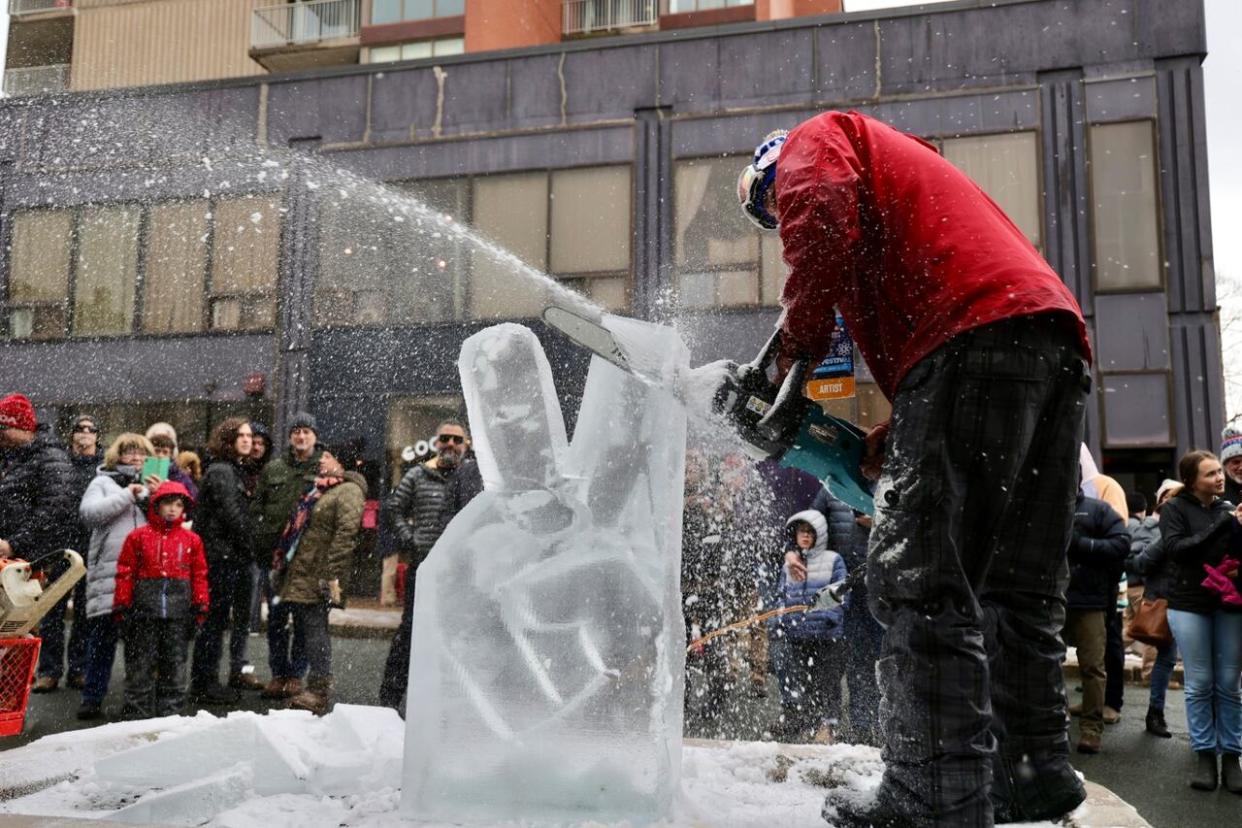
<point>758,177</point>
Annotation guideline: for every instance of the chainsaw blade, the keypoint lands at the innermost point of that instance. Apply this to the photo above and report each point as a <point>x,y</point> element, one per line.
<point>589,334</point>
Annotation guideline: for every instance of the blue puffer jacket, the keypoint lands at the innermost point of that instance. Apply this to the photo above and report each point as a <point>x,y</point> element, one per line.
<point>823,567</point>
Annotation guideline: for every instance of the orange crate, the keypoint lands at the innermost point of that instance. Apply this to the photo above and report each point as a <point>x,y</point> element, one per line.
<point>18,657</point>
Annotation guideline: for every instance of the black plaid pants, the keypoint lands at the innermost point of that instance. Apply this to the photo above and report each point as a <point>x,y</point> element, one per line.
<point>967,572</point>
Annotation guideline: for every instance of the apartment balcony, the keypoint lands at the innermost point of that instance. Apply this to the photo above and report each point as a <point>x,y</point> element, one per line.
<point>295,36</point>
<point>22,9</point>
<point>36,80</point>
<point>583,17</point>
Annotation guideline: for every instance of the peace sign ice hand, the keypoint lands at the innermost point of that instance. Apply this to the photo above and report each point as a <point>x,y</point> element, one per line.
<point>548,632</point>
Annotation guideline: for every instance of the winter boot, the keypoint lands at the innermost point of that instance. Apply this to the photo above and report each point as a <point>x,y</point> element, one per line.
<point>1156,725</point>
<point>277,688</point>
<point>1035,788</point>
<point>315,698</point>
<point>845,808</point>
<point>1231,773</point>
<point>244,681</point>
<point>1205,778</point>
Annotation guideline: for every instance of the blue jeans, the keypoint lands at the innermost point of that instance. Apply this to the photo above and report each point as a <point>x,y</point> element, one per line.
<point>1161,672</point>
<point>285,662</point>
<point>1211,648</point>
<point>101,638</point>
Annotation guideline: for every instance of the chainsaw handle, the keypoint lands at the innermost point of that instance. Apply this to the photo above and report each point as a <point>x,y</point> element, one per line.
<point>783,420</point>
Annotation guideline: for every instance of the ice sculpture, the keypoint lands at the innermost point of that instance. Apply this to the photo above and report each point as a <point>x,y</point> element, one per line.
<point>548,653</point>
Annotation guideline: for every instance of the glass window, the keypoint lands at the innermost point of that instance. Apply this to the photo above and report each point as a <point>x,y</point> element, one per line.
<point>446,46</point>
<point>1126,226</point>
<point>245,262</point>
<point>681,6</point>
<point>107,270</point>
<point>511,210</point>
<point>384,54</point>
<point>418,50</point>
<point>718,261</point>
<point>394,11</point>
<point>591,220</point>
<point>39,273</point>
<point>176,267</point>
<point>382,265</point>
<point>1006,167</point>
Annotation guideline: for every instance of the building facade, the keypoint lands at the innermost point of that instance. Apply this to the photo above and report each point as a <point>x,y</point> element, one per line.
<point>183,252</point>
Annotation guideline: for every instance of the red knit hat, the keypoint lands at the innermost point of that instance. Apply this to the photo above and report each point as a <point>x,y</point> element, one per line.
<point>17,412</point>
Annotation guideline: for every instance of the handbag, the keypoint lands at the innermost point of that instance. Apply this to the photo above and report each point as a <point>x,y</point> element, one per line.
<point>1150,623</point>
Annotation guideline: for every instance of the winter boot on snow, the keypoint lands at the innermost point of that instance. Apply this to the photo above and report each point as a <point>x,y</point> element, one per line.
<point>1156,725</point>
<point>315,698</point>
<point>1035,788</point>
<point>1205,778</point>
<point>847,808</point>
<point>1231,773</point>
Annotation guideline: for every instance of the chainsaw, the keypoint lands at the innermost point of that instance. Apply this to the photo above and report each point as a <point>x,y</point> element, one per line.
<point>24,600</point>
<point>772,421</point>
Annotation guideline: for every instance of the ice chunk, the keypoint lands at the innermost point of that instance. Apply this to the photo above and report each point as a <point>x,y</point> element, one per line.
<point>548,653</point>
<point>192,803</point>
<point>172,761</point>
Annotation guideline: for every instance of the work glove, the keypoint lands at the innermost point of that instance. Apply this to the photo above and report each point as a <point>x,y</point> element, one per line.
<point>1220,579</point>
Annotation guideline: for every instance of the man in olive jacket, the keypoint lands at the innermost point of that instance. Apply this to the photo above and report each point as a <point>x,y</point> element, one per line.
<point>313,580</point>
<point>282,482</point>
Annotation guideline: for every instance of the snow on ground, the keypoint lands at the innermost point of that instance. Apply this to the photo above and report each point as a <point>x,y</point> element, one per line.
<point>288,768</point>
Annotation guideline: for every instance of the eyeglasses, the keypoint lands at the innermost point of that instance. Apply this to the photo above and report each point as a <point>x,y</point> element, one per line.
<point>456,439</point>
<point>81,429</point>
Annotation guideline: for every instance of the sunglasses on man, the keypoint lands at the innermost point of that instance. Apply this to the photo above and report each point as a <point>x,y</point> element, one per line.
<point>85,429</point>
<point>456,439</point>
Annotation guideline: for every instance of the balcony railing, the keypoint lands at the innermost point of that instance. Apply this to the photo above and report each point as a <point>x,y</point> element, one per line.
<point>19,7</point>
<point>37,80</point>
<point>586,16</point>
<point>293,23</point>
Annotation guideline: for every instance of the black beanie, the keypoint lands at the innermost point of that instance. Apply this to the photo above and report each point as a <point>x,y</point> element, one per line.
<point>303,420</point>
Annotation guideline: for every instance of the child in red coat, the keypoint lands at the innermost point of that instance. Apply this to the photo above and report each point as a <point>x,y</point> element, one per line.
<point>161,595</point>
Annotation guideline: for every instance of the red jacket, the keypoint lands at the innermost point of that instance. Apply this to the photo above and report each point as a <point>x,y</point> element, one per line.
<point>907,247</point>
<point>162,571</point>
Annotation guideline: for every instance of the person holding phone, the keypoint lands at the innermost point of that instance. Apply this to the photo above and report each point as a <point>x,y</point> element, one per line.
<point>163,439</point>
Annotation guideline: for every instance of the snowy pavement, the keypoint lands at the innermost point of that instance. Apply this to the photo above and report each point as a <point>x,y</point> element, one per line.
<point>290,769</point>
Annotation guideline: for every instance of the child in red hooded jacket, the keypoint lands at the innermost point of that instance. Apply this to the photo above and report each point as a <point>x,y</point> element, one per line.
<point>161,596</point>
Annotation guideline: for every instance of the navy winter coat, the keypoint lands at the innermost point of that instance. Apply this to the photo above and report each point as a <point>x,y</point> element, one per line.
<point>1195,534</point>
<point>1098,548</point>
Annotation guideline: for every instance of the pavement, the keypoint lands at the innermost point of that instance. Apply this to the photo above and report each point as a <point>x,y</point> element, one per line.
<point>1135,773</point>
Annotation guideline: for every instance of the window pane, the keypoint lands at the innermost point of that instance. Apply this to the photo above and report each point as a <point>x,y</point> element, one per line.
<point>419,9</point>
<point>511,210</point>
<point>697,290</point>
<point>591,220</point>
<point>416,51</point>
<point>712,234</point>
<point>448,46</point>
<point>1006,167</point>
<point>246,248</point>
<point>384,54</point>
<point>1123,190</point>
<point>385,11</point>
<point>450,8</point>
<point>354,254</point>
<point>737,287</point>
<point>609,293</point>
<point>103,293</point>
<point>39,262</point>
<point>176,267</point>
<point>773,267</point>
<point>431,282</point>
<point>226,314</point>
